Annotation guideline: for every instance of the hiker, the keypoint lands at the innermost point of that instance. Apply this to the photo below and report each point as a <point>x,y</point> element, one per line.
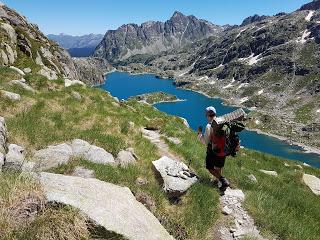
<point>215,158</point>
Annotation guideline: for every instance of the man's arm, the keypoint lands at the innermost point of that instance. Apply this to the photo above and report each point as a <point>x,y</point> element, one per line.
<point>205,138</point>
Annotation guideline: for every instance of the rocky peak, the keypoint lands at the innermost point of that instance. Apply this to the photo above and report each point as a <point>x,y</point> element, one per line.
<point>314,5</point>
<point>252,19</point>
<point>153,37</point>
<point>177,15</point>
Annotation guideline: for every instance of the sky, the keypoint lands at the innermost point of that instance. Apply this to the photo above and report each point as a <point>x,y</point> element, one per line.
<point>79,17</point>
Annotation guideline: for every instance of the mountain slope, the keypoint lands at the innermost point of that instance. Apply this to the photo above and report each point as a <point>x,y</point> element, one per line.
<point>154,37</point>
<point>23,45</point>
<point>270,64</point>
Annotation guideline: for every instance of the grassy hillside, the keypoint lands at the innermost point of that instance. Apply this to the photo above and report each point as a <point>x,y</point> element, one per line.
<point>282,206</point>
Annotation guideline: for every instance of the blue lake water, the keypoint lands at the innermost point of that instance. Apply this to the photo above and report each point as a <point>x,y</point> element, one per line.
<point>123,86</point>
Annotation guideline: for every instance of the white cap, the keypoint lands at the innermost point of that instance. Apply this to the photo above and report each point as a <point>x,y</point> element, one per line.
<point>209,109</point>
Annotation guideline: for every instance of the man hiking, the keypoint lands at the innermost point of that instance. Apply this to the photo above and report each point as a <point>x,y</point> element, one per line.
<point>215,158</point>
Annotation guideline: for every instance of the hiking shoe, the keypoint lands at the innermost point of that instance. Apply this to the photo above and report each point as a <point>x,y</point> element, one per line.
<point>224,184</point>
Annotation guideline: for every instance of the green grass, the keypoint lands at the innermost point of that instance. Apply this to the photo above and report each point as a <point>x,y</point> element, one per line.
<point>304,113</point>
<point>281,206</point>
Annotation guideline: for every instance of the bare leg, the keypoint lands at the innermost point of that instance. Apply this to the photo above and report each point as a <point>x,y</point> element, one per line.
<point>216,172</point>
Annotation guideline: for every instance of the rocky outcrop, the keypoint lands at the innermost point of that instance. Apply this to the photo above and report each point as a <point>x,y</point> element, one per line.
<point>20,35</point>
<point>15,157</point>
<point>314,5</point>
<point>92,70</point>
<point>3,136</point>
<point>252,19</point>
<point>22,83</point>
<point>10,95</point>
<point>125,158</point>
<point>153,37</point>
<point>55,155</point>
<point>107,205</point>
<point>312,182</point>
<point>177,178</point>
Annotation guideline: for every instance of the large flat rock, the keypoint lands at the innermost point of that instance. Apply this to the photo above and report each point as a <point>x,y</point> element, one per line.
<point>54,155</point>
<point>176,176</point>
<point>312,182</point>
<point>110,206</point>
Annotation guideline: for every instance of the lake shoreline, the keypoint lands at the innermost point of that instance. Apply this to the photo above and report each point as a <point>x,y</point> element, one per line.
<point>306,148</point>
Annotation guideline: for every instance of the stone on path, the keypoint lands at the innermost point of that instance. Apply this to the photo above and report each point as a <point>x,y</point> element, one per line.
<point>176,175</point>
<point>110,206</point>
<point>175,141</point>
<point>10,95</point>
<point>271,173</point>
<point>231,203</point>
<point>312,182</point>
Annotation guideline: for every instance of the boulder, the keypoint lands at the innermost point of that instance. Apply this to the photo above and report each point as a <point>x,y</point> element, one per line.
<point>271,173</point>
<point>14,158</point>
<point>99,155</point>
<point>10,95</point>
<point>175,141</point>
<point>252,178</point>
<point>226,210</point>
<point>125,158</point>
<point>27,70</point>
<point>83,172</point>
<point>48,73</point>
<point>28,167</point>
<point>312,182</point>
<point>235,194</point>
<point>1,160</point>
<point>177,178</point>
<point>185,122</point>
<point>10,32</point>
<point>76,95</point>
<point>109,206</point>
<point>22,84</point>
<point>3,136</point>
<point>68,82</point>
<point>80,148</point>
<point>53,156</point>
<point>18,70</point>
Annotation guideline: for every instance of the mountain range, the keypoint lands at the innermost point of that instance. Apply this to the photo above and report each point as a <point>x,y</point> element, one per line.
<point>77,46</point>
<point>268,63</point>
<point>154,37</point>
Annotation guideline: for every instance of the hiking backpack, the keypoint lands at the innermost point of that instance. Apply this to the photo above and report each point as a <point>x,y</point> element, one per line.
<point>228,133</point>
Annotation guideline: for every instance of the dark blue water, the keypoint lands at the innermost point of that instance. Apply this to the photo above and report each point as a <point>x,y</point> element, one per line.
<point>123,85</point>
